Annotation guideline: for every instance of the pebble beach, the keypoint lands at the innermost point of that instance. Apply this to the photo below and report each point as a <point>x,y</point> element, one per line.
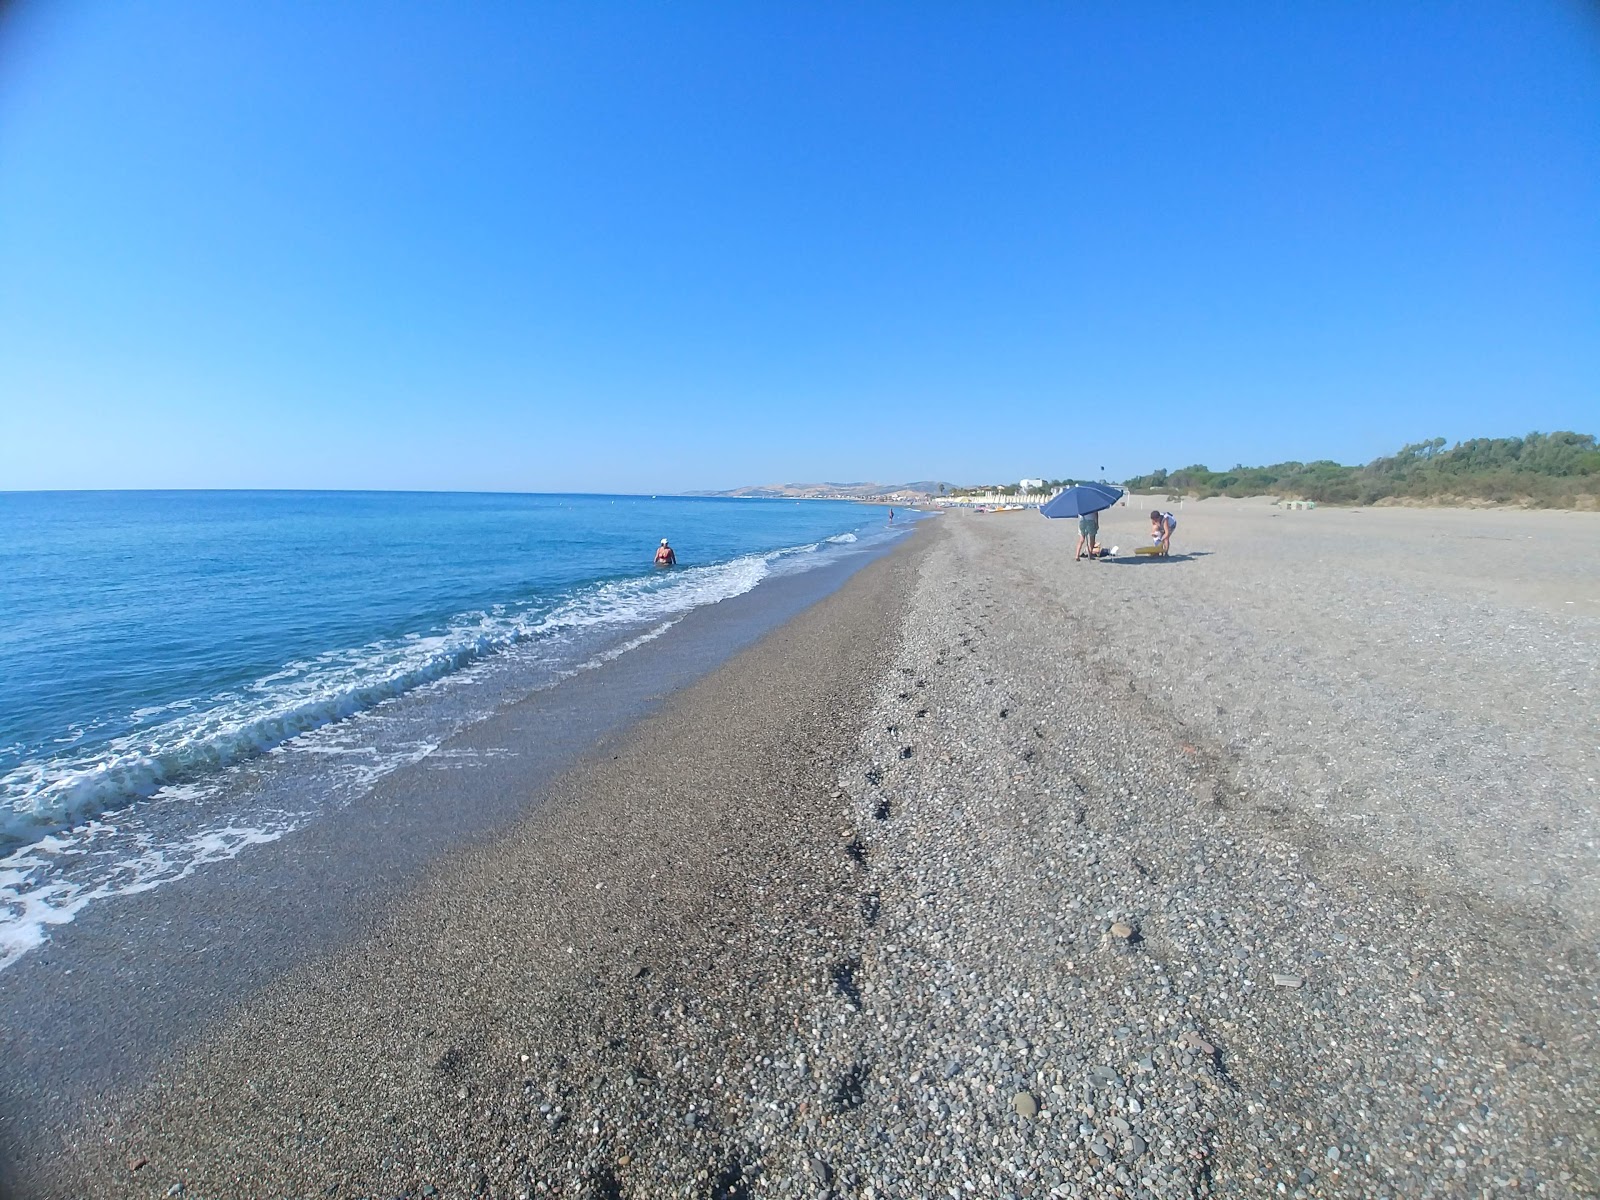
<point>1266,869</point>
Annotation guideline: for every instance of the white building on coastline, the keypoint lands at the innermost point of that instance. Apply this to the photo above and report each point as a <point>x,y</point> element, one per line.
<point>1030,493</point>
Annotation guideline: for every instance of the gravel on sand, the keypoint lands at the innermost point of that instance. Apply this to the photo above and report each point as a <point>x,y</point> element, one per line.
<point>1266,869</point>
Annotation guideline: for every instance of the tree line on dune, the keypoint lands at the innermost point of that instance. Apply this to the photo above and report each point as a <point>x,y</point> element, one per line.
<point>1554,470</point>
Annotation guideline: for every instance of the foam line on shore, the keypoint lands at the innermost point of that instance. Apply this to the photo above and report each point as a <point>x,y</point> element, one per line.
<point>186,740</point>
<point>167,799</point>
<point>76,1037</point>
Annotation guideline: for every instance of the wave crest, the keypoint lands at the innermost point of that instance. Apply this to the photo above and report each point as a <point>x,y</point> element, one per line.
<point>187,740</point>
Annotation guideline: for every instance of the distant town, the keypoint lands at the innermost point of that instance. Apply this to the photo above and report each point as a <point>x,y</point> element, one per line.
<point>1024,492</point>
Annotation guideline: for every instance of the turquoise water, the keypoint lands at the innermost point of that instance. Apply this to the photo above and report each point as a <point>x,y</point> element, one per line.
<point>159,646</point>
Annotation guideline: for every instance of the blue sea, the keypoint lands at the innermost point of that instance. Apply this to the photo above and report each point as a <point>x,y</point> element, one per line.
<point>188,674</point>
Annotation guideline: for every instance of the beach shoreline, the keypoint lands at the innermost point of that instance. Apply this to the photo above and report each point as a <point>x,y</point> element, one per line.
<point>992,871</point>
<point>597,908</point>
<point>129,983</point>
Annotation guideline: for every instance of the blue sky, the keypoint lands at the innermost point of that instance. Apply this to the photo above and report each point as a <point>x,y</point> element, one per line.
<point>655,247</point>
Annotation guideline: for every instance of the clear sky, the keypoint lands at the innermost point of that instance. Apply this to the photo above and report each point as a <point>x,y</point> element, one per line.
<point>664,246</point>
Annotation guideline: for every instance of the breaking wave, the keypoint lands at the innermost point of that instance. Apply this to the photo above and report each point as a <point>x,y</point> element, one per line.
<point>179,742</point>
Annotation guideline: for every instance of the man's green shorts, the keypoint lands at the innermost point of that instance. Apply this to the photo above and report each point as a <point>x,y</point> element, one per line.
<point>1089,524</point>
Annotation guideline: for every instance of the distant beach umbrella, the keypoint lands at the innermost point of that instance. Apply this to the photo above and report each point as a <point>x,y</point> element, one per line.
<point>1081,500</point>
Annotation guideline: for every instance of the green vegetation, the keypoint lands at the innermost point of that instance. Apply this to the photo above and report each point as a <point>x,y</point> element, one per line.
<point>1551,470</point>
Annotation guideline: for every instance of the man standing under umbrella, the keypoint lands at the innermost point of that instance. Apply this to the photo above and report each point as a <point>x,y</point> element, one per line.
<point>1088,534</point>
<point>1084,501</point>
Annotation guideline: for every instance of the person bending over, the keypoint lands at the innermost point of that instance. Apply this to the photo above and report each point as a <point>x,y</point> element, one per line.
<point>665,556</point>
<point>1162,525</point>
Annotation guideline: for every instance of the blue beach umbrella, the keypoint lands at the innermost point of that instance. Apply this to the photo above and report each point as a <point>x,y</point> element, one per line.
<point>1082,500</point>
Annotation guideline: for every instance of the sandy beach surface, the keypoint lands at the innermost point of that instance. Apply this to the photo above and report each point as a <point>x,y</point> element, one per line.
<point>1266,869</point>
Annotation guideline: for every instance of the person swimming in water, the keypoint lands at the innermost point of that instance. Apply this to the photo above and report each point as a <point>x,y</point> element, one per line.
<point>665,555</point>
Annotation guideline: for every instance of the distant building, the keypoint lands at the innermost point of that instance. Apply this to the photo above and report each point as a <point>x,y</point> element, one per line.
<point>1031,485</point>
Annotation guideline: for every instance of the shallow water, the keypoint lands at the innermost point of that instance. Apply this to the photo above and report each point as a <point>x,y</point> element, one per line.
<point>190,674</point>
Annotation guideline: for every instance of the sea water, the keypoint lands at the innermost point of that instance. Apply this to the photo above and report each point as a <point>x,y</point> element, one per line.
<point>186,674</point>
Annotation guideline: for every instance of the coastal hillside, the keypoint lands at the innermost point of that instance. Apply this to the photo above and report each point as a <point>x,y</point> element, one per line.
<point>1546,470</point>
<point>921,489</point>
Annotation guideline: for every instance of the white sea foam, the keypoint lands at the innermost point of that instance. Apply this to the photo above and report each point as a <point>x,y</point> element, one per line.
<point>50,882</point>
<point>183,741</point>
<point>617,652</point>
<point>90,827</point>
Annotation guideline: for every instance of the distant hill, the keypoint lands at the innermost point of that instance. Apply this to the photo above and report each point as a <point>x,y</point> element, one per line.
<point>922,488</point>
